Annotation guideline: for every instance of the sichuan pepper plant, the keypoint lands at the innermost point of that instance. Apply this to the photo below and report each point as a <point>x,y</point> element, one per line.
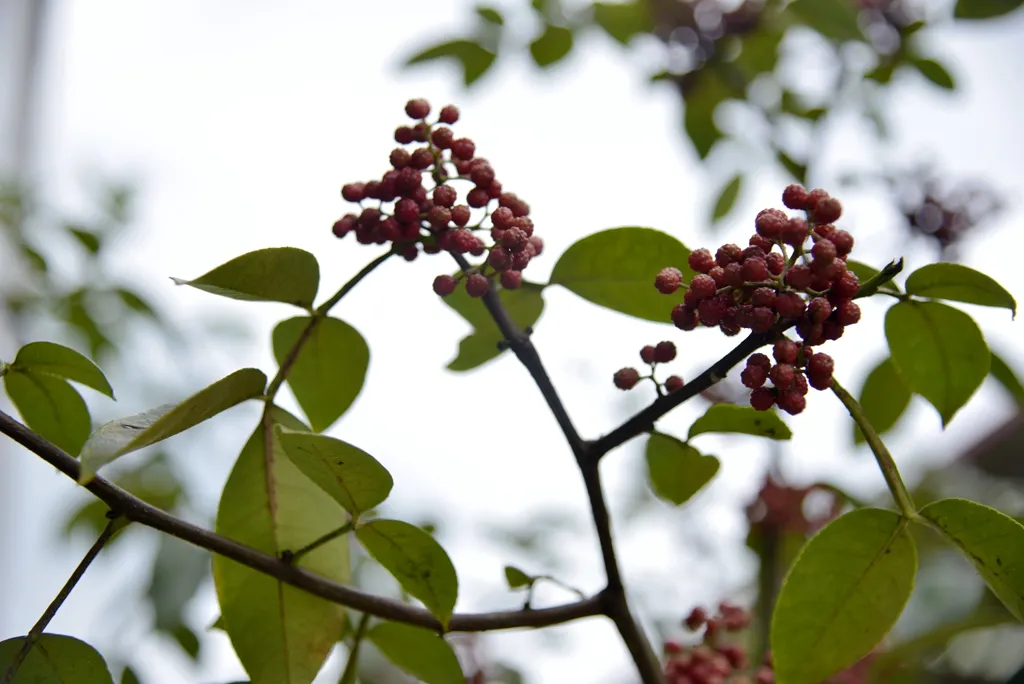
<point>296,496</point>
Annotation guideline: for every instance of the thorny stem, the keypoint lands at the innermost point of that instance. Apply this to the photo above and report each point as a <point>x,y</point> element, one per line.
<point>294,556</point>
<point>878,448</point>
<point>136,510</point>
<point>113,525</point>
<point>349,675</point>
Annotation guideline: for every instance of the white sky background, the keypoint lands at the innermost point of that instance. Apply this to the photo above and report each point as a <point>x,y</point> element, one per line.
<point>242,119</point>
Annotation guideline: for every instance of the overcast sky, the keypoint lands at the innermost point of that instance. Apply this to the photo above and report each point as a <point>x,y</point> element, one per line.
<point>240,121</point>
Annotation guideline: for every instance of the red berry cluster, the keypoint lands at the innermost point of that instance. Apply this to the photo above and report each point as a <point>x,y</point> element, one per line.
<point>652,355</point>
<point>714,660</point>
<point>411,215</point>
<point>777,278</point>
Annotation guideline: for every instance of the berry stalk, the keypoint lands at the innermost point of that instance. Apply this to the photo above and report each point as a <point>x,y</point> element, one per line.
<point>882,456</point>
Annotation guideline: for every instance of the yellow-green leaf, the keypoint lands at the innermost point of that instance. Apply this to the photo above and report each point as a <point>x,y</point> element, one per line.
<point>616,269</point>
<point>843,594</point>
<point>421,653</point>
<point>277,274</point>
<point>1005,376</point>
<point>55,659</point>
<point>885,396</point>
<point>727,198</point>
<point>125,435</point>
<point>352,477</point>
<point>516,578</point>
<point>329,371</point>
<point>676,471</point>
<point>47,358</point>
<point>474,57</point>
<point>551,46</point>
<point>992,541</point>
<point>745,420</point>
<point>281,634</point>
<point>51,407</point>
<point>416,560</point>
<point>959,283</point>
<point>939,351</point>
<point>524,305</point>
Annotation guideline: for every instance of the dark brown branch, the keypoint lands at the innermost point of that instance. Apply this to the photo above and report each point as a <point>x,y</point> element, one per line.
<point>113,525</point>
<point>136,510</point>
<point>645,419</point>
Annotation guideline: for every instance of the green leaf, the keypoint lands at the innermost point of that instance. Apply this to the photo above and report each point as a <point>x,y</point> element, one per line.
<point>701,99</point>
<point>1003,374</point>
<point>419,652</point>
<point>992,541</point>
<point>745,420</point>
<point>47,358</point>
<point>87,238</point>
<point>277,274</point>
<point>524,305</point>
<point>759,50</point>
<point>959,283</point>
<point>125,435</point>
<point>416,560</point>
<point>727,198</point>
<point>623,20</point>
<point>834,19</point>
<point>329,371</point>
<point>55,659</point>
<point>51,407</point>
<point>865,273</point>
<point>352,477</point>
<point>885,396</point>
<point>282,634</point>
<point>129,676</point>
<point>516,578</point>
<point>490,15</point>
<point>474,58</point>
<point>843,594</point>
<point>795,168</point>
<point>616,269</point>
<point>551,46</point>
<point>934,72</point>
<point>136,303</point>
<point>939,351</point>
<point>675,470</point>
<point>37,260</point>
<point>985,9</point>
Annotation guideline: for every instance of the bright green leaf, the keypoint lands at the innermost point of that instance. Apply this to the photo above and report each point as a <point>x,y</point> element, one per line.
<point>865,273</point>
<point>835,19</point>
<point>474,58</point>
<point>51,407</point>
<point>352,477</point>
<point>745,420</point>
<point>939,351</point>
<point>416,560</point>
<point>47,358</point>
<point>55,659</point>
<point>125,435</point>
<point>551,46</point>
<point>843,594</point>
<point>419,652</point>
<point>701,100</point>
<point>524,305</point>
<point>516,578</point>
<point>490,15</point>
<point>281,634</point>
<point>934,72</point>
<point>329,371</point>
<point>727,198</point>
<point>623,20</point>
<point>676,471</point>
<point>1003,374</point>
<point>985,9</point>
<point>277,274</point>
<point>616,269</point>
<point>959,283</point>
<point>992,541</point>
<point>885,396</point>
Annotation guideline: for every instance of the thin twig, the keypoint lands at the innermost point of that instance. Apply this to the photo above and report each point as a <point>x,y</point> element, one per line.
<point>349,675</point>
<point>294,556</point>
<point>136,510</point>
<point>37,629</point>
